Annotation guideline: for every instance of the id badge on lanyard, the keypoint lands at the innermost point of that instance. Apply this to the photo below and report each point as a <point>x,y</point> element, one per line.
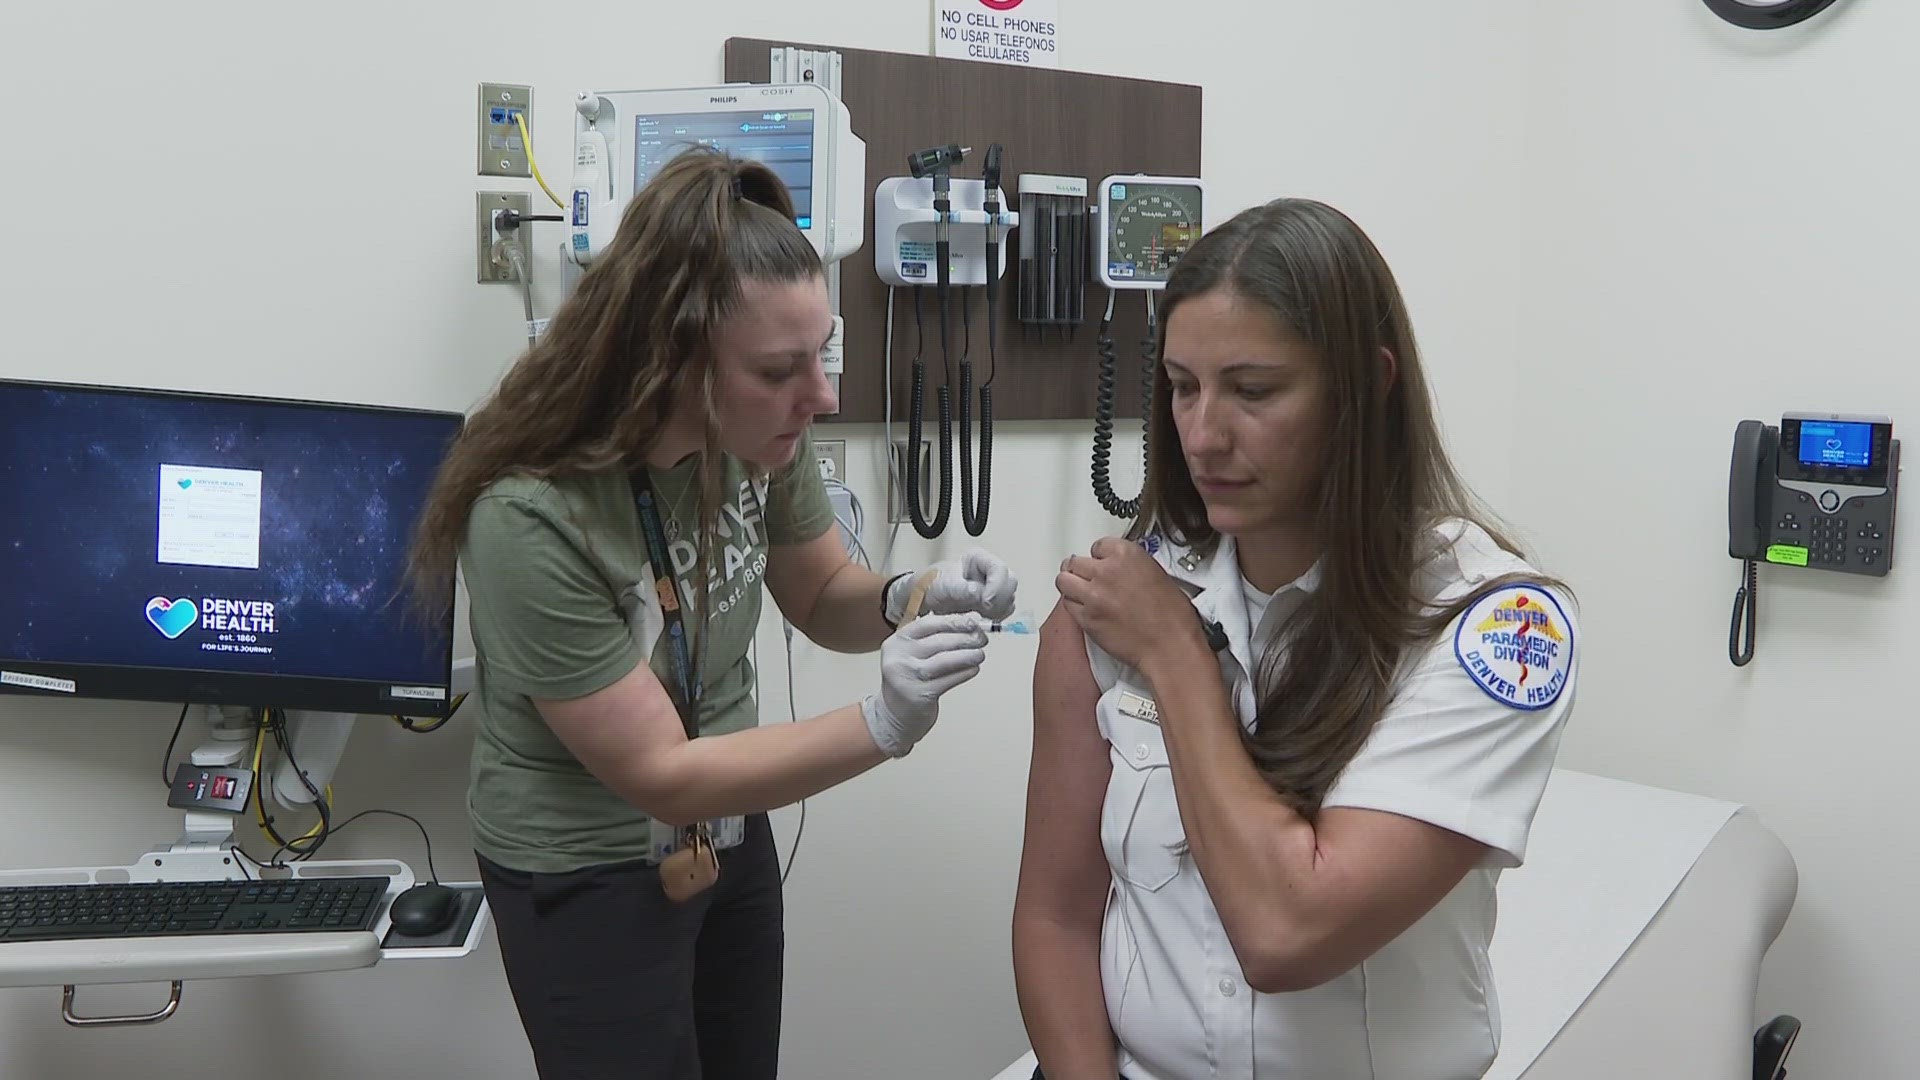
<point>686,854</point>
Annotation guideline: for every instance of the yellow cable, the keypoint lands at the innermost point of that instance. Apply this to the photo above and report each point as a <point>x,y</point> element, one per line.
<point>259,802</point>
<point>526,140</point>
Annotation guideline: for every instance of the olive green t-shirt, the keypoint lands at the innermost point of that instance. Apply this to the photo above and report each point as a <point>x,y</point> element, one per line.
<point>563,604</point>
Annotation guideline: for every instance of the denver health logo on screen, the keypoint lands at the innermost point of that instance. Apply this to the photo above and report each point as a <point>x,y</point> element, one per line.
<point>172,617</point>
<point>236,626</point>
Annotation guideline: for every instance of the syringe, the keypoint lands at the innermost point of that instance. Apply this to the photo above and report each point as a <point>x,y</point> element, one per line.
<point>1020,622</point>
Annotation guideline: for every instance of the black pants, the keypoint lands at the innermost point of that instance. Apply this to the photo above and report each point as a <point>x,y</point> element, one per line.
<point>616,982</point>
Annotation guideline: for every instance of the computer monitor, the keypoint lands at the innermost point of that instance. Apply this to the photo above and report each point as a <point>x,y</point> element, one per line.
<point>200,548</point>
<point>800,130</point>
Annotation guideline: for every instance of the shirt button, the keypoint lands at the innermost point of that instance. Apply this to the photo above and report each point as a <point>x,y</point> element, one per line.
<point>1227,987</point>
<point>1140,752</point>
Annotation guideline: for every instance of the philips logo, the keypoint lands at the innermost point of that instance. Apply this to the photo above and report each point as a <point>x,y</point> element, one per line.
<point>724,100</point>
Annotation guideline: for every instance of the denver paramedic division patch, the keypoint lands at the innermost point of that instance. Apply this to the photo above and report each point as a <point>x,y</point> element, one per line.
<point>1517,645</point>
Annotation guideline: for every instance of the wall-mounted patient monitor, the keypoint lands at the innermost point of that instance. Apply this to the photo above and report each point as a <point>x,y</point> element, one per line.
<point>177,547</point>
<point>802,131</point>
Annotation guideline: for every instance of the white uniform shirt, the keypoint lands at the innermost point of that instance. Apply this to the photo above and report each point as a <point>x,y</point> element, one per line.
<point>1466,744</point>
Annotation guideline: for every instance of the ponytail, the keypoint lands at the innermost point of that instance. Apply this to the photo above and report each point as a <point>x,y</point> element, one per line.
<point>631,343</point>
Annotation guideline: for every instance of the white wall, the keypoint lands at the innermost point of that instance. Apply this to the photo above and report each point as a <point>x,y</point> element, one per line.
<point>230,197</point>
<point>1730,230</point>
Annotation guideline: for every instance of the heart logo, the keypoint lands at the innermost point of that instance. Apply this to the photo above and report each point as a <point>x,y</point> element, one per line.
<point>172,617</point>
<point>186,482</point>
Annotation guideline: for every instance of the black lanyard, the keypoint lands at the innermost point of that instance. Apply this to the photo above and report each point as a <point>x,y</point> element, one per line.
<point>687,701</point>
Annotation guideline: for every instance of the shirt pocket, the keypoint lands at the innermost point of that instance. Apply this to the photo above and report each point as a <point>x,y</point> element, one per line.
<point>1140,828</point>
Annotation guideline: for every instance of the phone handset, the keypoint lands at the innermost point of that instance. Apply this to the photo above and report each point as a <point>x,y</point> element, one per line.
<point>1750,484</point>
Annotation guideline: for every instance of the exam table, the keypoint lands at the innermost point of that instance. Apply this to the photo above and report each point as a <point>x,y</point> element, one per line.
<point>1630,943</point>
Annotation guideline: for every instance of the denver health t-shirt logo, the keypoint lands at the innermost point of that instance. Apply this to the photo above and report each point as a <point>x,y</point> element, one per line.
<point>172,617</point>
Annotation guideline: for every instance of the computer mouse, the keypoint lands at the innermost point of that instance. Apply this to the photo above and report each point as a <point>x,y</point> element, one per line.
<point>424,909</point>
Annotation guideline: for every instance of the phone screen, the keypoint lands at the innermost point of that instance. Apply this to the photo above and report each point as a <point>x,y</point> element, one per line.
<point>1836,444</point>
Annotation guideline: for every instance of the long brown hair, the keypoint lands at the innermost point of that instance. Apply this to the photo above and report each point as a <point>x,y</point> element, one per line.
<point>1386,484</point>
<point>632,341</point>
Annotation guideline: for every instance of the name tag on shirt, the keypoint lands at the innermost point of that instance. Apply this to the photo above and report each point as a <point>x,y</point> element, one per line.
<point>1138,707</point>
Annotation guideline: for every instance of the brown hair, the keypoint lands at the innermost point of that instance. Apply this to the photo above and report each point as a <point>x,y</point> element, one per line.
<point>1386,484</point>
<point>632,340</point>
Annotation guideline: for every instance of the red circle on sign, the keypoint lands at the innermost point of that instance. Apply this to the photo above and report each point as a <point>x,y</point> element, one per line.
<point>1003,5</point>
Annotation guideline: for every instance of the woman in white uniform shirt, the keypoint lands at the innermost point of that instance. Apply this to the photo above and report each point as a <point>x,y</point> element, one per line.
<point>1287,870</point>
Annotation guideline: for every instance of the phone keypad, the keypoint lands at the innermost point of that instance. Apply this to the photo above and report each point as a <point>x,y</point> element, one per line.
<point>1852,539</point>
<point>1827,545</point>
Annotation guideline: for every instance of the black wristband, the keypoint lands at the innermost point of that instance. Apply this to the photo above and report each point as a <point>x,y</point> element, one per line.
<point>886,589</point>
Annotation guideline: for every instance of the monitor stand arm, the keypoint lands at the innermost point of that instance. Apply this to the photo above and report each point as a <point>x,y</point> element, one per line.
<point>204,850</point>
<point>318,740</point>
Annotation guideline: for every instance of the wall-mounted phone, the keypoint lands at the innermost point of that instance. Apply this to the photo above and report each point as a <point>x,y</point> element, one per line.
<point>1818,491</point>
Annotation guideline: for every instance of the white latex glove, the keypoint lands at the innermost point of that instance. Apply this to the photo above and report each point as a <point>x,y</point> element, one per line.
<point>976,581</point>
<point>921,661</point>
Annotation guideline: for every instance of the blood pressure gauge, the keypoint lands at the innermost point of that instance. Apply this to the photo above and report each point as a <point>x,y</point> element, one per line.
<point>1146,224</point>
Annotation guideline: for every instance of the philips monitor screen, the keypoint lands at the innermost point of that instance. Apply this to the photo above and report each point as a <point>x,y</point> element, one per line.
<point>195,548</point>
<point>781,140</point>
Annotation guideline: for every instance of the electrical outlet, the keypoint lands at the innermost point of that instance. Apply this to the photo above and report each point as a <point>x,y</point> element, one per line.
<point>485,204</point>
<point>897,482</point>
<point>502,151</point>
<point>831,456</point>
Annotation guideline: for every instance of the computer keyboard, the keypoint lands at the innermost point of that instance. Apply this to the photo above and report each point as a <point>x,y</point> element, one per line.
<point>175,908</point>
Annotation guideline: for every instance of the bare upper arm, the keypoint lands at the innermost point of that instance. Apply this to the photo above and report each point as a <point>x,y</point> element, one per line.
<point>1063,870</point>
<point>622,734</point>
<point>797,574</point>
<point>1379,873</point>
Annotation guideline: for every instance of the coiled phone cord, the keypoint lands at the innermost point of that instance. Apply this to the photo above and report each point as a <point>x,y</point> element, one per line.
<point>1103,410</point>
<point>1746,611</point>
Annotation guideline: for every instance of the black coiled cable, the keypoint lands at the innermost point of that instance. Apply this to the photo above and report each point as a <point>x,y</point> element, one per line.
<point>1103,413</point>
<point>1746,612</point>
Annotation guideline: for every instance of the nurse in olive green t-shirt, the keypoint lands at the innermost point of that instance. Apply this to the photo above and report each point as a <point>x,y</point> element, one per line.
<point>680,378</point>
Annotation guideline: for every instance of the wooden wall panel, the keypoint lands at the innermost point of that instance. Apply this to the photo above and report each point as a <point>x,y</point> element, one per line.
<point>1057,122</point>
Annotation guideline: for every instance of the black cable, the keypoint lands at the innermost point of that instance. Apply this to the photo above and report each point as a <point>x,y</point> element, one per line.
<point>1149,359</point>
<point>166,762</point>
<point>916,508</point>
<point>278,725</point>
<point>432,873</point>
<point>793,714</point>
<point>973,514</point>
<point>260,797</point>
<point>966,325</point>
<point>508,220</point>
<point>423,729</point>
<point>1103,409</point>
<point>1746,611</point>
<point>269,865</point>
